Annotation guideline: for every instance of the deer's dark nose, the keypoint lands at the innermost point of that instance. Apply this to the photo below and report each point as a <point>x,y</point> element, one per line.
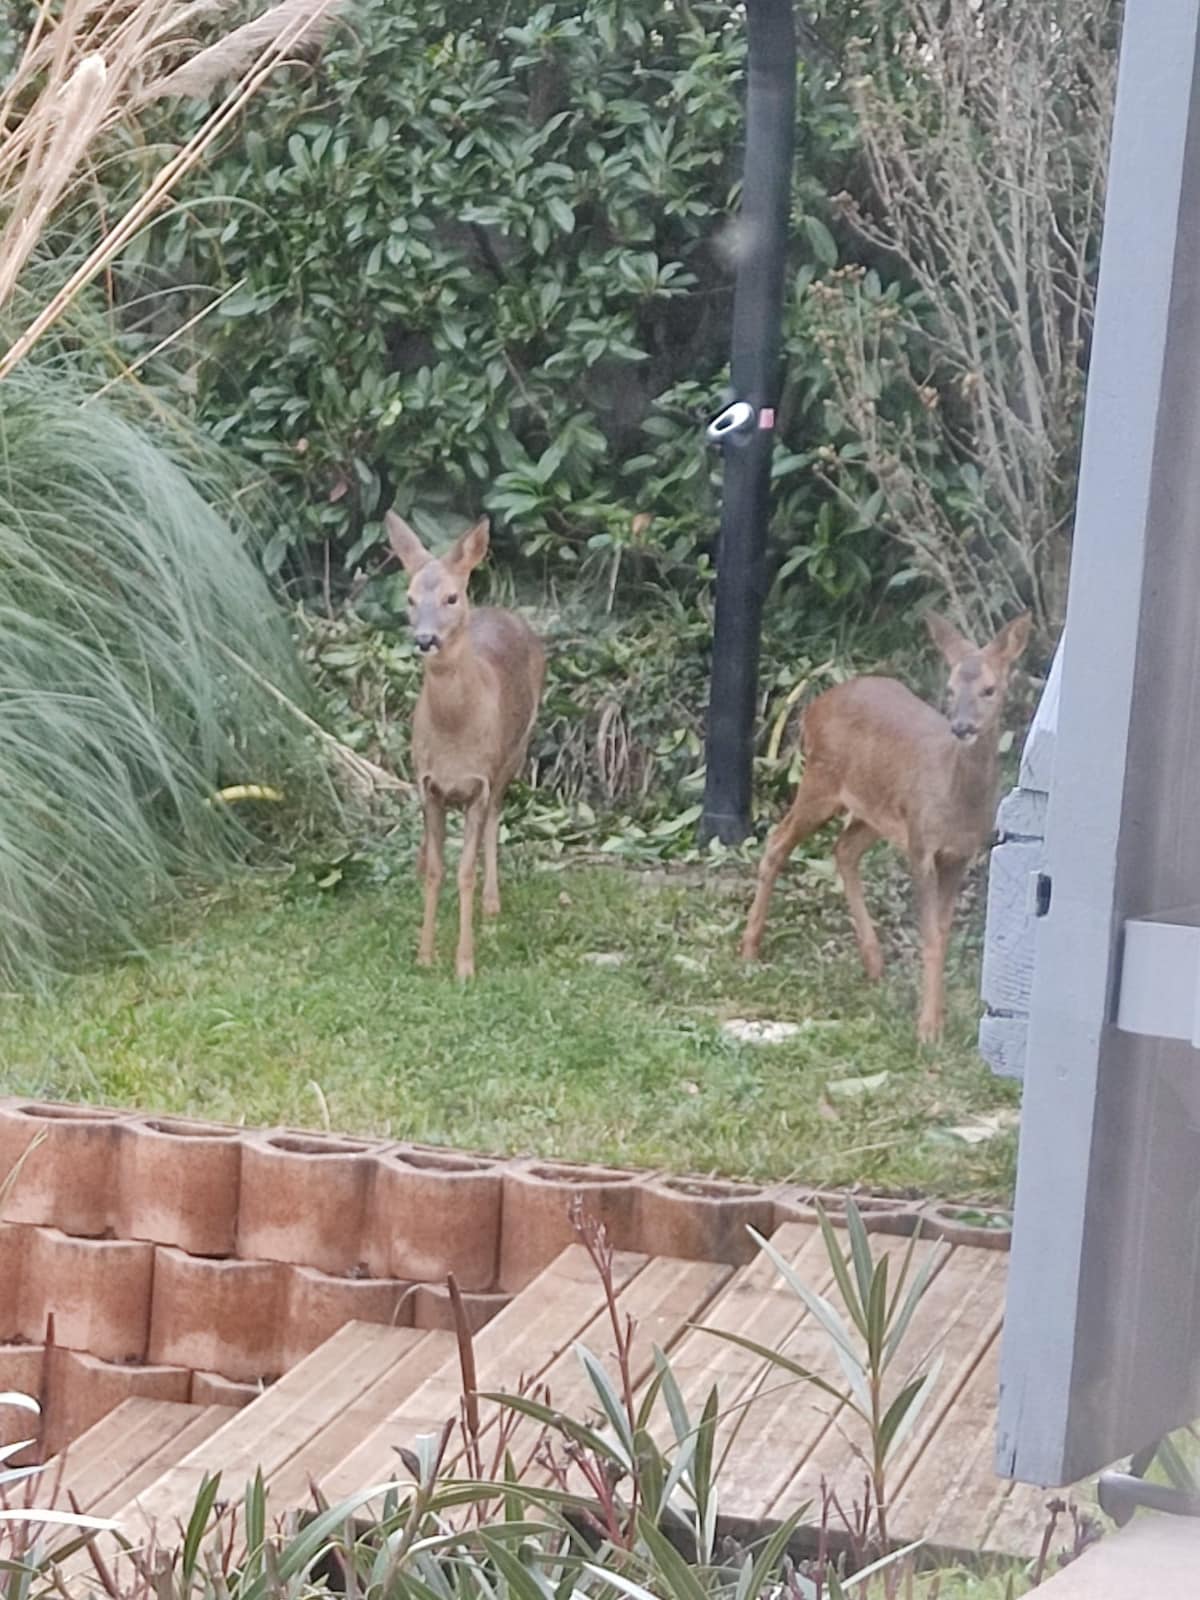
<point>962,729</point>
<point>426,642</point>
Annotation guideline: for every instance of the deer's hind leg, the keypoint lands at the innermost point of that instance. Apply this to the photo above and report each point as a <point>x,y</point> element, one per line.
<point>813,806</point>
<point>856,839</point>
<point>474,823</point>
<point>431,869</point>
<point>491,861</point>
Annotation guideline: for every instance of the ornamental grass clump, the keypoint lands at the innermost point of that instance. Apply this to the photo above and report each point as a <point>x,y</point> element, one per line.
<point>143,666</point>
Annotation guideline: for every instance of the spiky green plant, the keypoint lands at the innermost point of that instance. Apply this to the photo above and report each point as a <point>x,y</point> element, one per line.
<point>143,664</point>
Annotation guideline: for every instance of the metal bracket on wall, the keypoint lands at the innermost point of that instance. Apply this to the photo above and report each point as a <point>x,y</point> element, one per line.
<point>1159,993</point>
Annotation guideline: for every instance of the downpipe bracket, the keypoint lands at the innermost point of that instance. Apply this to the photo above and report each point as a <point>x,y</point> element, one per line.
<point>737,424</point>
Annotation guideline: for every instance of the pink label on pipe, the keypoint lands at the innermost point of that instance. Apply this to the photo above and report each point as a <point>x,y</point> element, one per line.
<point>766,417</point>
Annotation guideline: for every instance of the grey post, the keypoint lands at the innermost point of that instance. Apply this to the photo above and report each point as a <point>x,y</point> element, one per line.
<point>1101,1350</point>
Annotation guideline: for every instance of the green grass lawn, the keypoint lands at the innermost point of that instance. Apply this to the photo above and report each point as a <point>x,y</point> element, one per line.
<point>271,1004</point>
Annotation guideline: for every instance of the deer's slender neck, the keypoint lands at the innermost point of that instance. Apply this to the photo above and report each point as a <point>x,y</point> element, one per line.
<point>977,766</point>
<point>452,681</point>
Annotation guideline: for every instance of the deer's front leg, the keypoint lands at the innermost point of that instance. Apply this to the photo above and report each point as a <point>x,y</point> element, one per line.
<point>431,867</point>
<point>473,826</point>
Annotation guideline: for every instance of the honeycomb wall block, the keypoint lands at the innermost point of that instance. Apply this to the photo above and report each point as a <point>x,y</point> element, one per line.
<point>70,1180</point>
<point>226,1317</point>
<point>880,1213</point>
<point>305,1199</point>
<point>434,1212</point>
<point>21,1367</point>
<point>14,1247</point>
<point>695,1219</point>
<point>317,1305</point>
<point>82,1389</point>
<point>431,1307</point>
<point>180,1183</point>
<point>540,1199</point>
<point>211,1389</point>
<point>97,1290</point>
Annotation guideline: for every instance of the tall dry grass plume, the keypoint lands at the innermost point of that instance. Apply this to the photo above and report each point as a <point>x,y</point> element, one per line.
<point>86,67</point>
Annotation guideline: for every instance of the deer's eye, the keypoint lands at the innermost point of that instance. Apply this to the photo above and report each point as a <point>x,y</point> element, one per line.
<point>451,599</point>
<point>988,692</point>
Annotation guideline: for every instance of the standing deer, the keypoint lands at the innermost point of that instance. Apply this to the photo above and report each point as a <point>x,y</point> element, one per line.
<point>901,771</point>
<point>483,677</point>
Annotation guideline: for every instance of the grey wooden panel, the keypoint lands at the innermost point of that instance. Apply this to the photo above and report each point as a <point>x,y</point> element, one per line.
<point>1008,949</point>
<point>1002,1044</point>
<point>1009,946</point>
<point>1037,758</point>
<point>1102,1333</point>
<point>1022,814</point>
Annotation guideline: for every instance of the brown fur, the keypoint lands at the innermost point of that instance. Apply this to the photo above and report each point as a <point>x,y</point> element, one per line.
<point>901,771</point>
<point>484,672</point>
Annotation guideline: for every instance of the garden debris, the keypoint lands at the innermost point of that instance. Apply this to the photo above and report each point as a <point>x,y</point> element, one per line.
<point>853,1088</point>
<point>759,1032</point>
<point>983,1128</point>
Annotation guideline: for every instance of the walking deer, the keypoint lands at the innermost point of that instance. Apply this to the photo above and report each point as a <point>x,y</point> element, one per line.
<point>901,771</point>
<point>483,676</point>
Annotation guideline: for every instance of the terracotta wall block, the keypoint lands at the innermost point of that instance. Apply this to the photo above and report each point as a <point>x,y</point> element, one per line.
<point>895,1214</point>
<point>98,1291</point>
<point>539,1199</point>
<point>305,1199</point>
<point>179,1184</point>
<point>217,1316</point>
<point>434,1212</point>
<point>71,1180</point>
<point>14,1242</point>
<point>20,1373</point>
<point>211,1389</point>
<point>317,1305</point>
<point>431,1307</point>
<point>949,1223</point>
<point>81,1390</point>
<point>694,1219</point>
<point>250,1321</point>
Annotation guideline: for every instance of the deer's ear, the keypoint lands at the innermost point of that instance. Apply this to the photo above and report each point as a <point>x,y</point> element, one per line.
<point>469,549</point>
<point>411,553</point>
<point>947,638</point>
<point>1012,639</point>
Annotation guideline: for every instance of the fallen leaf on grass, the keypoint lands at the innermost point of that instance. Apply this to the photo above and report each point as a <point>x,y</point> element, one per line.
<point>854,1088</point>
<point>758,1032</point>
<point>688,963</point>
<point>985,1127</point>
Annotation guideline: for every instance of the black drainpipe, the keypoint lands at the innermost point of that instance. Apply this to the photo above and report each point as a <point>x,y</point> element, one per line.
<point>745,429</point>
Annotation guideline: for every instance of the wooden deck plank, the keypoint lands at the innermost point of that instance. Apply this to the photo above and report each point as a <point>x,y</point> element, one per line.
<point>518,1344</point>
<point>110,1450</point>
<point>788,1423</point>
<point>291,1486</point>
<point>756,1302</point>
<point>953,1494</point>
<point>340,1415</point>
<point>200,1427</point>
<point>271,1429</point>
<point>661,1301</point>
<point>958,1316</point>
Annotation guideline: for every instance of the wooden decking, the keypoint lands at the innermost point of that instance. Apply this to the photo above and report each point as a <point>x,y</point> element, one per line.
<point>338,1420</point>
